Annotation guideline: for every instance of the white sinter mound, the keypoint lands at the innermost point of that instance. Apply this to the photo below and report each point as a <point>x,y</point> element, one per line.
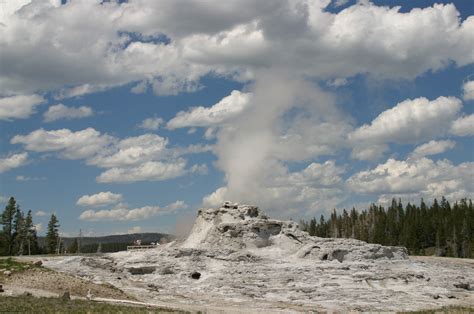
<point>237,259</point>
<point>246,229</point>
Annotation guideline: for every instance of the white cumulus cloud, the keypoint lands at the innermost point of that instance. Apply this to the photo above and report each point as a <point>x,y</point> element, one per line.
<point>409,122</point>
<point>140,158</point>
<point>464,126</point>
<point>232,38</point>
<point>41,213</point>
<point>151,124</point>
<point>99,199</point>
<point>126,214</point>
<point>433,148</point>
<point>131,151</point>
<point>19,107</point>
<point>61,111</point>
<point>13,161</point>
<point>148,171</point>
<point>468,90</point>
<point>368,151</point>
<point>415,178</point>
<point>69,144</point>
<point>227,108</point>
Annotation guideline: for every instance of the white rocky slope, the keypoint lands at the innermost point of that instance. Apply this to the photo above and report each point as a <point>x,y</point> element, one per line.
<point>237,259</point>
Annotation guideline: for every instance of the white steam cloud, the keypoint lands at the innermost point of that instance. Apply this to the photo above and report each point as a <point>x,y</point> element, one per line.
<point>285,123</point>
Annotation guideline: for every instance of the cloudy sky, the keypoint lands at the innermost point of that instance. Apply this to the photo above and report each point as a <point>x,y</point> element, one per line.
<point>127,116</point>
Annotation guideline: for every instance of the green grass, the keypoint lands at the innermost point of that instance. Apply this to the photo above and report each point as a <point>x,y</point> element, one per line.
<point>12,265</point>
<point>30,304</point>
<point>9,264</point>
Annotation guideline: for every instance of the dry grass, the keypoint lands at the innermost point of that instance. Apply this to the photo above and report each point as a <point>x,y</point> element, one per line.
<point>448,309</point>
<point>30,304</point>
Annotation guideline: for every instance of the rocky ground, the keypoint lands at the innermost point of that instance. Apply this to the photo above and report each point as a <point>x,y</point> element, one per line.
<point>237,259</point>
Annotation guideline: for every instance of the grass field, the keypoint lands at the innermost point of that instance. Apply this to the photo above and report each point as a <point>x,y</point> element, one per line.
<point>30,304</point>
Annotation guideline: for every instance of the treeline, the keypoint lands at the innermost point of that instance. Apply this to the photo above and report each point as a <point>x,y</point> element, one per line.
<point>440,229</point>
<point>18,235</point>
<point>107,247</point>
<point>104,247</point>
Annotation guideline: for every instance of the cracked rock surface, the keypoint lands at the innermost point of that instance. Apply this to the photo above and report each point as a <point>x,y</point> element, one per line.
<point>237,258</point>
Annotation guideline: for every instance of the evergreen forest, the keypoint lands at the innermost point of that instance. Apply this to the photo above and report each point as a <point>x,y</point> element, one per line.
<point>441,229</point>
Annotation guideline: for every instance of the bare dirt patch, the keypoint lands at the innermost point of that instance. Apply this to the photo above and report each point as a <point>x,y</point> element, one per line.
<point>39,278</point>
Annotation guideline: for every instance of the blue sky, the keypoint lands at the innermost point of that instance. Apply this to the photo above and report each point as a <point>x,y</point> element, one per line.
<point>122,120</point>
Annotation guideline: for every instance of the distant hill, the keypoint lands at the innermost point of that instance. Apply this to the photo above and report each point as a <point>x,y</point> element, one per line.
<point>118,238</point>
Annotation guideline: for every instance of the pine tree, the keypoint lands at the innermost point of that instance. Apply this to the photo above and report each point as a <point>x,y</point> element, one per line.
<point>438,250</point>
<point>323,229</point>
<point>334,225</point>
<point>346,224</point>
<point>371,223</point>
<point>354,225</point>
<point>400,221</point>
<point>454,242</point>
<point>8,228</point>
<point>391,222</point>
<point>73,248</point>
<point>312,227</point>
<point>20,232</point>
<point>466,240</point>
<point>52,236</point>
<point>31,236</point>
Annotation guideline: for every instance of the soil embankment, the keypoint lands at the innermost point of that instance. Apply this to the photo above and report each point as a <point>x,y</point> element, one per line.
<point>24,276</point>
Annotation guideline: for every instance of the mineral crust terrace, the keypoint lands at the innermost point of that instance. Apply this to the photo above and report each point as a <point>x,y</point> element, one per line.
<point>237,259</point>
